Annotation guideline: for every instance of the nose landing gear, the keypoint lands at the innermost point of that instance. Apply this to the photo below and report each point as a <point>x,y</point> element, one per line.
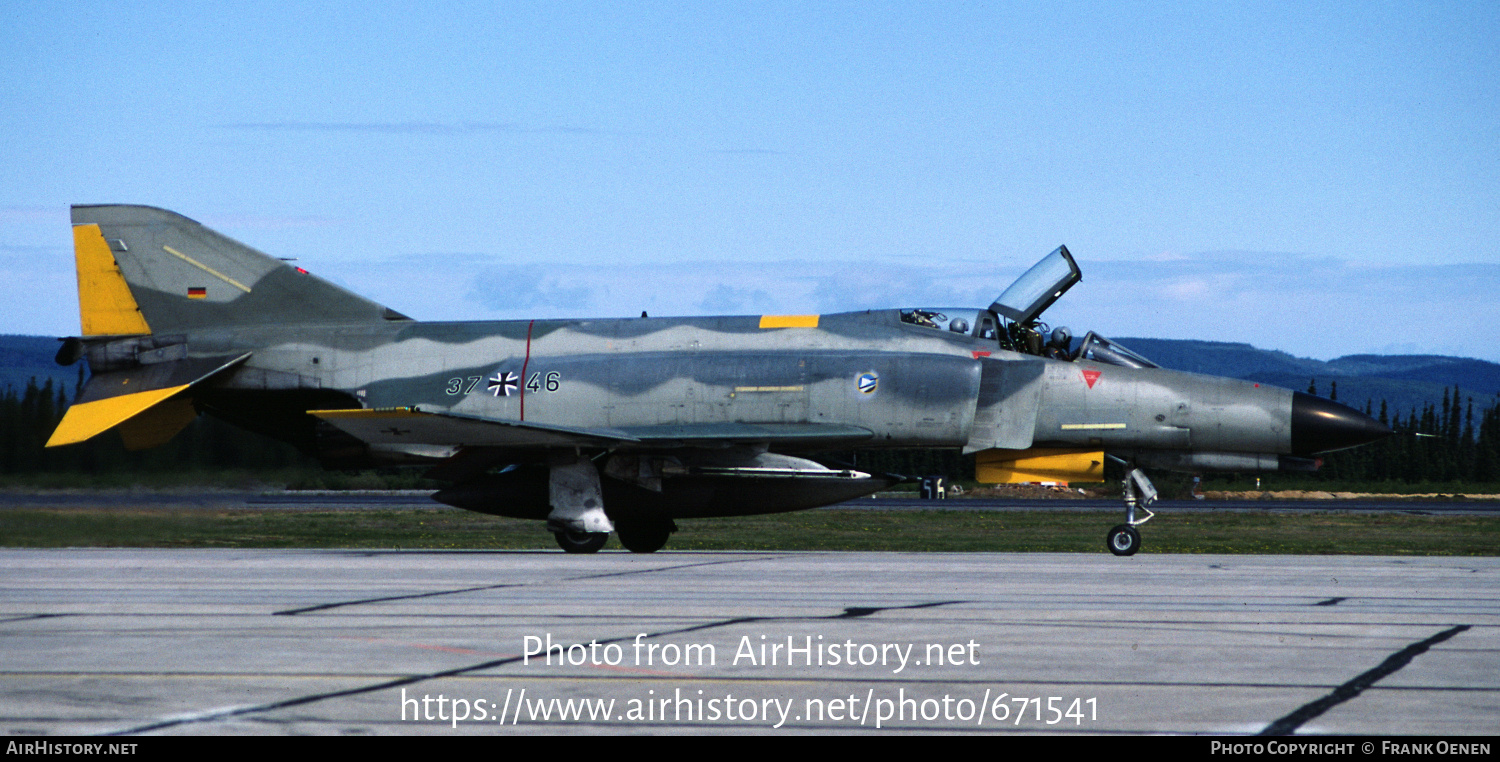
<point>1124,539</point>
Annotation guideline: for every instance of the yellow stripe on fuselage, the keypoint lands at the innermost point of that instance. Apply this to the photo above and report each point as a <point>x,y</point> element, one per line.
<point>86,420</point>
<point>789,321</point>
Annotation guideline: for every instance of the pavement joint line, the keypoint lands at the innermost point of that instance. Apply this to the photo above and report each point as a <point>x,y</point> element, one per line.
<point>337,604</point>
<point>853,612</point>
<point>656,569</point>
<point>31,617</point>
<point>385,599</point>
<point>1288,725</point>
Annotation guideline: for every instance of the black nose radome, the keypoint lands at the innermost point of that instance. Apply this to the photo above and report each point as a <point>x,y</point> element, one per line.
<point>1320,425</point>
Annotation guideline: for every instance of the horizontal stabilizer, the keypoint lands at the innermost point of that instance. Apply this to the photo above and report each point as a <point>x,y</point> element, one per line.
<point>112,399</point>
<point>87,420</point>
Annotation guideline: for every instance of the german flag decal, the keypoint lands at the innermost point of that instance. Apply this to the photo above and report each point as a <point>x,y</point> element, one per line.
<point>197,292</point>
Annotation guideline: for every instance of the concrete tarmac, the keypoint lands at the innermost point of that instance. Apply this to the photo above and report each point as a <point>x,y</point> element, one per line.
<point>106,641</point>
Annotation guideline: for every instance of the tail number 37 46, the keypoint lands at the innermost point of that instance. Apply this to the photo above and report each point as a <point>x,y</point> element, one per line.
<point>550,381</point>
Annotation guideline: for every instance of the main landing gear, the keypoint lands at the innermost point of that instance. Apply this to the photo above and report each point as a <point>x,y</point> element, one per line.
<point>577,519</point>
<point>1124,539</point>
<point>637,535</point>
<point>579,541</point>
<point>644,535</point>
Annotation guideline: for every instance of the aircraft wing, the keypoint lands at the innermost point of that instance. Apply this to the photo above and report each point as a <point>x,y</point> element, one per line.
<point>417,425</point>
<point>424,425</point>
<point>782,435</point>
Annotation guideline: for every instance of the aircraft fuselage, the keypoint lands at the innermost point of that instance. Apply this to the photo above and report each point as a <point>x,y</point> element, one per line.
<point>590,424</point>
<point>905,385</point>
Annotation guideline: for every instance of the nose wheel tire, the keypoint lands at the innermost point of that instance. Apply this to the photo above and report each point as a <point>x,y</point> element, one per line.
<point>1123,540</point>
<point>576,541</point>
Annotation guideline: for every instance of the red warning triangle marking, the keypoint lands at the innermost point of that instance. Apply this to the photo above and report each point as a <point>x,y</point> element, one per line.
<point>1090,376</point>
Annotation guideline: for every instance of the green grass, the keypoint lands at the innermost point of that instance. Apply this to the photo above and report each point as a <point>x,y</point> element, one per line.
<point>947,531</point>
<point>255,479</point>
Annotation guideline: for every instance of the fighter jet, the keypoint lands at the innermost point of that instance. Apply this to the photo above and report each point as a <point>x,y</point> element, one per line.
<point>627,425</point>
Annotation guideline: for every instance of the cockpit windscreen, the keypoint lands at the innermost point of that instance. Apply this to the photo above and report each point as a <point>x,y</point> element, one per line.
<point>962,321</point>
<point>1100,349</point>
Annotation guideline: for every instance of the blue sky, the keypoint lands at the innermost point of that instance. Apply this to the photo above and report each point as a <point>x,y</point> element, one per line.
<point>1318,178</point>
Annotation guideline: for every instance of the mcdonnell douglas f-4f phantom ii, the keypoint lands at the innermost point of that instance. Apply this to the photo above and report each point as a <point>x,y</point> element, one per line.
<point>624,425</point>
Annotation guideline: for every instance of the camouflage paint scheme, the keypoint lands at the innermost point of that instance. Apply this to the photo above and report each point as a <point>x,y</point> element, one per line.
<point>621,424</point>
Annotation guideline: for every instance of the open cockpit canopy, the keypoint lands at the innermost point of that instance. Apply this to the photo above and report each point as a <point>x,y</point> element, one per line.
<point>1039,287</point>
<point>1012,320</point>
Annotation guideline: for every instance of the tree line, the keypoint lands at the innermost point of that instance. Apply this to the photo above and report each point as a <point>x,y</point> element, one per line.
<point>1454,440</point>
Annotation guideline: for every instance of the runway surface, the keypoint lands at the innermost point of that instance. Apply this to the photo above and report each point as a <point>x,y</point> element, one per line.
<point>354,642</point>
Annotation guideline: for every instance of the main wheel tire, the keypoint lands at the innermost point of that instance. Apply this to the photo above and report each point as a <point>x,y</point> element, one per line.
<point>576,541</point>
<point>644,535</point>
<point>1123,540</point>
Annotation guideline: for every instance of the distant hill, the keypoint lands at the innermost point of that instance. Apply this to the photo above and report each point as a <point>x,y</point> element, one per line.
<point>23,358</point>
<point>1404,381</point>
